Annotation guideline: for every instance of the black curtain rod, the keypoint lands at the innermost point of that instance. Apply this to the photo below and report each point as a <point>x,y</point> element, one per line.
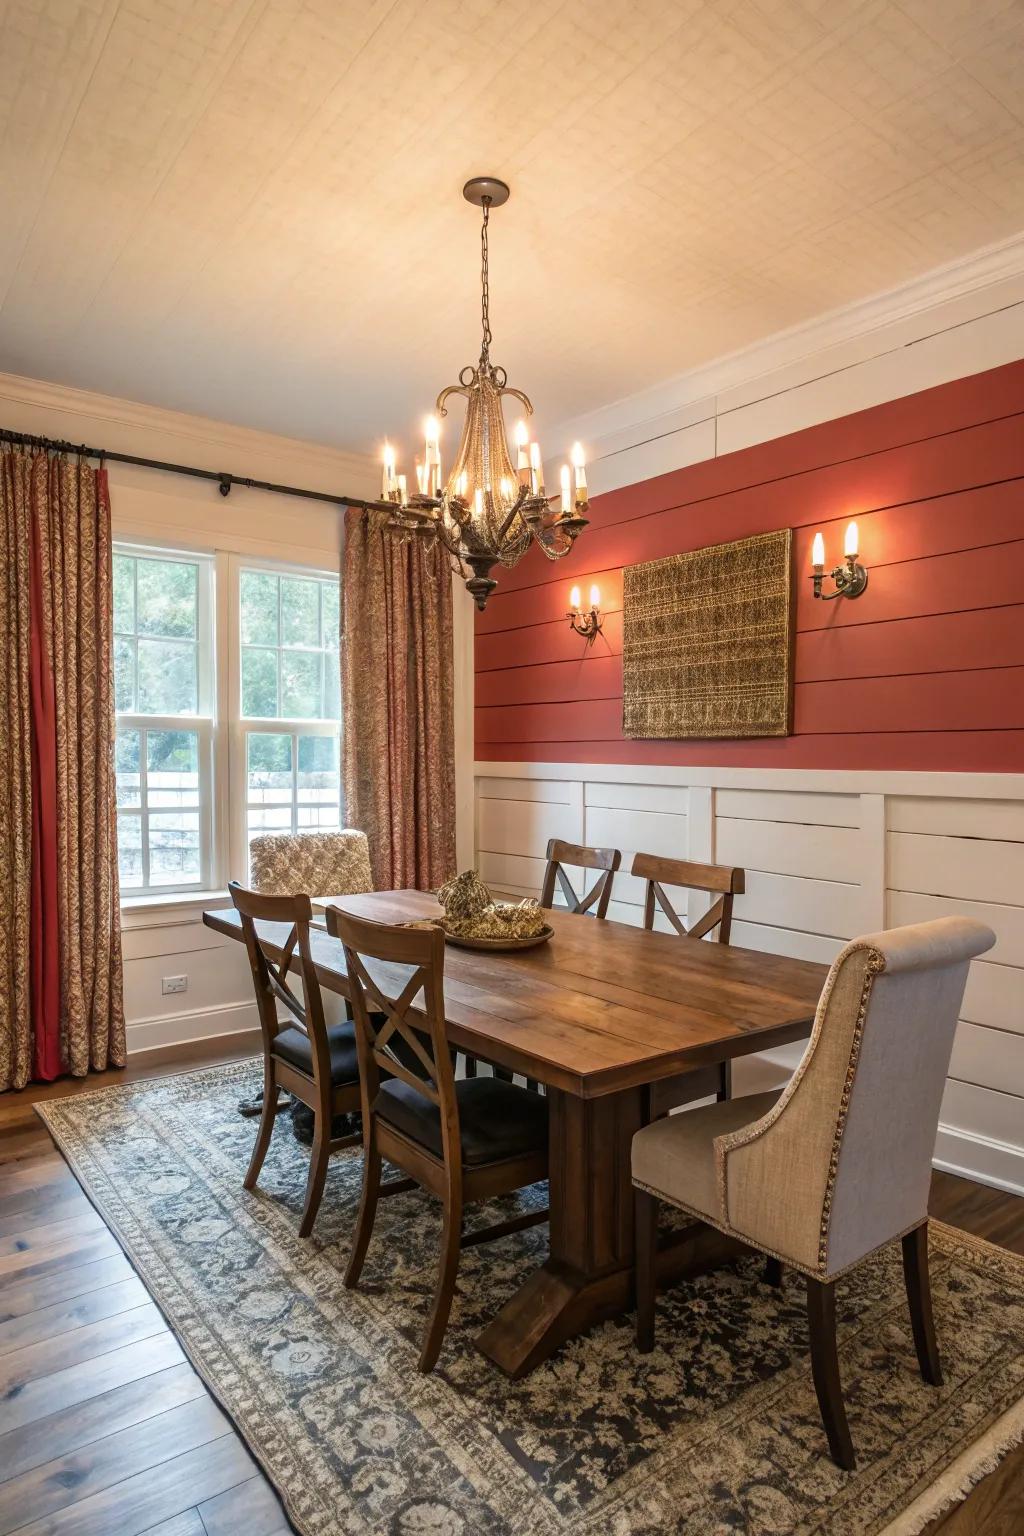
<point>224,480</point>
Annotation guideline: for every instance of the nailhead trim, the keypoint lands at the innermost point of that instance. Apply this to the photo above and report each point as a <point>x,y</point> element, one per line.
<point>874,966</point>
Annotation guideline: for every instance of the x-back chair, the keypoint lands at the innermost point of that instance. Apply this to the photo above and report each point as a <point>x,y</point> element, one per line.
<point>600,894</point>
<point>725,881</point>
<point>315,1062</point>
<point>462,1141</point>
<point>840,1163</point>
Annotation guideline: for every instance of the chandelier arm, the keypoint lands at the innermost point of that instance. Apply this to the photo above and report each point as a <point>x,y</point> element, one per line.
<point>440,405</point>
<point>524,400</point>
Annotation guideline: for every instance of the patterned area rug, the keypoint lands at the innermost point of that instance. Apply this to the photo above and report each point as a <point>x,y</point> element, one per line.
<point>715,1432</point>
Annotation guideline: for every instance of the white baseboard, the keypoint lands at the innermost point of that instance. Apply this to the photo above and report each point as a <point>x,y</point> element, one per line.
<point>197,1024</point>
<point>970,1156</point>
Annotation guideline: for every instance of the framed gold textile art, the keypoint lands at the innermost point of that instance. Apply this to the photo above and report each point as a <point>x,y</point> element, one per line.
<point>708,642</point>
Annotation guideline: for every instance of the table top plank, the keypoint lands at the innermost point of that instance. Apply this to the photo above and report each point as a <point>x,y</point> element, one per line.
<point>602,1006</point>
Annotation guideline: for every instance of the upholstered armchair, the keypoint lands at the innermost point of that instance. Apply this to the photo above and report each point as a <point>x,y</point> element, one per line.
<point>823,1174</point>
<point>310,864</point>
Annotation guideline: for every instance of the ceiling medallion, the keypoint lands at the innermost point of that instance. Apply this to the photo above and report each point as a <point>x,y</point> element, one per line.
<point>489,509</point>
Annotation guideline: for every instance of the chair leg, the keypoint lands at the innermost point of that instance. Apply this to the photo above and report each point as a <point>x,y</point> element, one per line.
<point>821,1315</point>
<point>503,1074</point>
<point>470,1066</point>
<point>367,1212</point>
<point>645,1209</point>
<point>268,1117</point>
<point>724,1081</point>
<point>319,1157</point>
<point>448,1270</point>
<point>773,1271</point>
<point>919,1296</point>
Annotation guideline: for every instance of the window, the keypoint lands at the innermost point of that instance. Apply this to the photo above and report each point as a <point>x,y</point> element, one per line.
<point>163,689</point>
<point>212,748</point>
<point>290,720</point>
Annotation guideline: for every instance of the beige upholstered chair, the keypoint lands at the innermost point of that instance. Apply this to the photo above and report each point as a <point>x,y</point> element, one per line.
<point>310,864</point>
<point>839,1163</point>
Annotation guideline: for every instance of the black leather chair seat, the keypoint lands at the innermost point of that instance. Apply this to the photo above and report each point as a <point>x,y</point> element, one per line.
<point>294,1047</point>
<point>497,1119</point>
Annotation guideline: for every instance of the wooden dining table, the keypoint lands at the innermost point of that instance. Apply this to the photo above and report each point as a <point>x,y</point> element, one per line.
<point>607,1017</point>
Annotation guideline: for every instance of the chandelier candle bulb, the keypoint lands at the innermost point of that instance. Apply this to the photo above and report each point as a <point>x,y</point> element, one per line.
<point>522,453</point>
<point>595,599</point>
<point>574,599</point>
<point>433,455</point>
<point>536,470</point>
<point>850,544</point>
<point>402,491</point>
<point>387,478</point>
<point>566,498</point>
<point>579,466</point>
<point>421,478</point>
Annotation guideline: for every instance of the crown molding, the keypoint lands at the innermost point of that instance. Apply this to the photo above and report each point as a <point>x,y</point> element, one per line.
<point>204,441</point>
<point>690,397</point>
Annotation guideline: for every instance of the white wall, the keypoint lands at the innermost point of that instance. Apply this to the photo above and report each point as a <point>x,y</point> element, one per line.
<point>828,856</point>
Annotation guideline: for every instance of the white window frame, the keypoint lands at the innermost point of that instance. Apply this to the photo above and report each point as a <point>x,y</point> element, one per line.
<point>203,723</point>
<point>241,726</point>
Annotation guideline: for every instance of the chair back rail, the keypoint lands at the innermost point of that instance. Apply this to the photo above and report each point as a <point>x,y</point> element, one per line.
<point>658,872</point>
<point>559,854</point>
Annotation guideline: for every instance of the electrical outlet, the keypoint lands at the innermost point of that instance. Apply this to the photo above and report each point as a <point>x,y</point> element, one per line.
<point>174,984</point>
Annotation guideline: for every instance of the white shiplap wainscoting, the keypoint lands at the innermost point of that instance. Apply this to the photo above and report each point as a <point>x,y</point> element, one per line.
<point>828,855</point>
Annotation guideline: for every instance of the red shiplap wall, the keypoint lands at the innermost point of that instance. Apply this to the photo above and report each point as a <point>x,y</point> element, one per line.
<point>924,671</point>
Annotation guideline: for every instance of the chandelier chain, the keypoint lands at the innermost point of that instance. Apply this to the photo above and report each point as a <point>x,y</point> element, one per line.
<point>485,290</point>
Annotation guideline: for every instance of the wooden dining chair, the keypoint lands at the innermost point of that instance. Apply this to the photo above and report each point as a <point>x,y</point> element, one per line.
<point>727,882</point>
<point>465,1140</point>
<point>315,1062</point>
<point>823,1175</point>
<point>558,855</point>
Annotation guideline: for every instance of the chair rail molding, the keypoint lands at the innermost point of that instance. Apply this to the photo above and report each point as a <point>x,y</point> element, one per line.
<point>828,855</point>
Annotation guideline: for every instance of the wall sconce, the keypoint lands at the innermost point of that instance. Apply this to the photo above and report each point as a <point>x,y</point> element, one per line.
<point>850,578</point>
<point>586,624</point>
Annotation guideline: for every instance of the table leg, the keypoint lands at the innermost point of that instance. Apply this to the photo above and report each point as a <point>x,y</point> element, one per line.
<point>588,1275</point>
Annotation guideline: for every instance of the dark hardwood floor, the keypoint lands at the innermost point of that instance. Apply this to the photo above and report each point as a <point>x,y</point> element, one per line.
<point>106,1430</point>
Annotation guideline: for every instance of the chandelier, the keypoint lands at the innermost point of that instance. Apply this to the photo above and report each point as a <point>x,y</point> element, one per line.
<point>489,509</point>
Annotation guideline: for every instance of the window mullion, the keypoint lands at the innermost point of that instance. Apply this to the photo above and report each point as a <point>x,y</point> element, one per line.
<point>144,802</point>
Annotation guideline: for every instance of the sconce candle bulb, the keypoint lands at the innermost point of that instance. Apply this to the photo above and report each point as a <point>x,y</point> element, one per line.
<point>818,552</point>
<point>586,624</point>
<point>850,578</point>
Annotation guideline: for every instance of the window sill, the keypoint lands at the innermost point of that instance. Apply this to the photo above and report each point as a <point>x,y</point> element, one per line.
<point>187,903</point>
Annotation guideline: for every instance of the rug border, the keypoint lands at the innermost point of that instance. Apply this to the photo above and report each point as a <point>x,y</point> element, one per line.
<point>957,1481</point>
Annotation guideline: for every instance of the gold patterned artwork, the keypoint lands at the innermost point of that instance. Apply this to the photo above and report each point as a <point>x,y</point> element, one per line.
<point>707,642</point>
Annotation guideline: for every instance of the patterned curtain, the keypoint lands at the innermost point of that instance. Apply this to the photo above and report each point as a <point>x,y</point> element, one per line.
<point>61,1004</point>
<point>398,710</point>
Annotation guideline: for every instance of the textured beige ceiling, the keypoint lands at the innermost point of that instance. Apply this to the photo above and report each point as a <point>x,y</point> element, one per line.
<point>251,209</point>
